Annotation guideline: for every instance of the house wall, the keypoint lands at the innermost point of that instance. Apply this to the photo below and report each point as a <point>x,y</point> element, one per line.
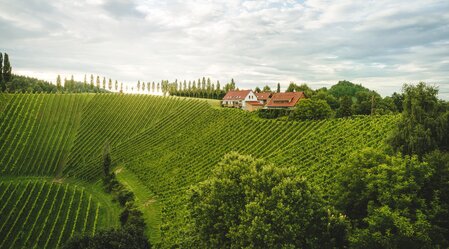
<point>250,97</point>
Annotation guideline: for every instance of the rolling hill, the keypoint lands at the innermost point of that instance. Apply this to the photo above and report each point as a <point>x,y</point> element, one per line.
<point>159,146</point>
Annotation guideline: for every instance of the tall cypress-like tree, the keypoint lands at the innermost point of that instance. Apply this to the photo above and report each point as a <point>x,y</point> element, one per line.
<point>58,83</point>
<point>138,85</point>
<point>110,84</point>
<point>85,83</point>
<point>2,83</point>
<point>91,81</point>
<point>104,82</point>
<point>116,85</point>
<point>98,82</point>
<point>278,90</point>
<point>6,69</point>
<point>143,86</point>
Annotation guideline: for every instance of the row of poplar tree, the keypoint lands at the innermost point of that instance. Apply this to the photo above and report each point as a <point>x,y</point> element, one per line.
<point>5,71</point>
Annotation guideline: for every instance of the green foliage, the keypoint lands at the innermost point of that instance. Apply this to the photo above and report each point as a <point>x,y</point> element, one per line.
<point>346,88</point>
<point>266,88</point>
<point>366,102</point>
<point>2,82</point>
<point>395,201</point>
<point>300,88</point>
<point>423,126</point>
<point>250,204</point>
<point>330,99</point>
<point>312,109</point>
<point>108,239</point>
<point>345,109</point>
<point>7,69</point>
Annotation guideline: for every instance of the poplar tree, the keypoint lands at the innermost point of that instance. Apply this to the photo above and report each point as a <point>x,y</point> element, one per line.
<point>152,86</point>
<point>110,84</point>
<point>58,83</point>
<point>98,82</point>
<point>6,69</point>
<point>116,85</point>
<point>143,86</point>
<point>2,82</point>
<point>104,82</point>
<point>85,83</point>
<point>91,81</point>
<point>278,90</point>
<point>138,85</point>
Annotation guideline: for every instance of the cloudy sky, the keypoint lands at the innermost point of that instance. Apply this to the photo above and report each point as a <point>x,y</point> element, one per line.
<point>380,44</point>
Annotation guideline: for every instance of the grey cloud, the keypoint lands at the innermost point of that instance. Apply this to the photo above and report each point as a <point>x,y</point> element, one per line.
<point>381,44</point>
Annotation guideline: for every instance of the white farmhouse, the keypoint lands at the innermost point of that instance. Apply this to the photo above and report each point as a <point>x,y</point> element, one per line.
<point>238,99</point>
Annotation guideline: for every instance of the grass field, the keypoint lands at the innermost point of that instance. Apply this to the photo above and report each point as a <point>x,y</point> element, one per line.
<point>159,145</point>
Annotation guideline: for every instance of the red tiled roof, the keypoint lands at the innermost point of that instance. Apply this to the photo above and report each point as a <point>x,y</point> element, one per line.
<point>254,103</point>
<point>285,99</point>
<point>263,96</point>
<point>236,95</point>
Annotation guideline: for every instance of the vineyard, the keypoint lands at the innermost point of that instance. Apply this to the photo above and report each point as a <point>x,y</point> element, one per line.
<point>43,214</point>
<point>164,143</point>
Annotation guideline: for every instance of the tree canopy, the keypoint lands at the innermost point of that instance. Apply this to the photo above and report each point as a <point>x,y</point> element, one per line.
<point>248,203</point>
<point>424,123</point>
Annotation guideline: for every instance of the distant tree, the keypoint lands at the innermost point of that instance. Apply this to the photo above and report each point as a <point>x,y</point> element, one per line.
<point>143,86</point>
<point>266,88</point>
<point>248,203</point>
<point>7,70</point>
<point>346,88</point>
<point>423,126</point>
<point>2,82</point>
<point>257,90</point>
<point>110,84</point>
<point>203,84</point>
<point>138,85</point>
<point>278,90</point>
<point>152,87</point>
<point>366,102</point>
<point>345,109</point>
<point>72,84</point>
<point>98,82</point>
<point>218,86</point>
<point>148,86</point>
<point>91,81</point>
<point>58,83</point>
<point>116,85</point>
<point>104,82</point>
<point>312,109</point>
<point>398,100</point>
<point>330,99</point>
<point>300,88</point>
<point>85,82</point>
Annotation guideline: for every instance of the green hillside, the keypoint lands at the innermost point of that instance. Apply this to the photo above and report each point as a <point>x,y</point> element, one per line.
<point>160,146</point>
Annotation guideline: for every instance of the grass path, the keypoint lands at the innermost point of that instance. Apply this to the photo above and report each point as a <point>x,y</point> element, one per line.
<point>145,201</point>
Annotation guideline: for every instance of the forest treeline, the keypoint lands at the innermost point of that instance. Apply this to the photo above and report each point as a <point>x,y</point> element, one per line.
<point>343,99</point>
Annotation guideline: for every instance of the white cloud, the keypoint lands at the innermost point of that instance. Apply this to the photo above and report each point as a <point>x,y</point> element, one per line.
<point>380,44</point>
